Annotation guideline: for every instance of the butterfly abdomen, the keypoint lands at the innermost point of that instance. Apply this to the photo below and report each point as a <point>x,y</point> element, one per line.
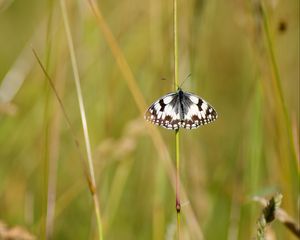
<point>181,108</point>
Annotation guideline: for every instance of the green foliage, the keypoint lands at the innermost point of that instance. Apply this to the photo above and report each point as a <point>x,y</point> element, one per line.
<point>250,150</point>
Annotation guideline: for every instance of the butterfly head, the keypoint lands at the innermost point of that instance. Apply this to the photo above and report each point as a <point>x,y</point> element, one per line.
<point>179,89</point>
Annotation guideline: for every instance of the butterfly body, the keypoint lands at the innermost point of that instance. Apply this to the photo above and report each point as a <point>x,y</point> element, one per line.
<point>180,110</point>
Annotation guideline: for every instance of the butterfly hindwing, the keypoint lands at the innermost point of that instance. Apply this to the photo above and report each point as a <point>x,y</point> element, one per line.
<point>180,109</point>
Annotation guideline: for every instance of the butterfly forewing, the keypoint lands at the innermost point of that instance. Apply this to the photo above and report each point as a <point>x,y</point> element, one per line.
<point>164,112</point>
<point>180,109</point>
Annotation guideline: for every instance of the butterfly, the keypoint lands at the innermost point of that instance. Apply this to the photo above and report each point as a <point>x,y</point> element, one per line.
<point>180,110</point>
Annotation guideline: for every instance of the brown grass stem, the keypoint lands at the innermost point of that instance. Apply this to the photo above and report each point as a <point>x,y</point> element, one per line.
<point>66,117</point>
<point>119,57</point>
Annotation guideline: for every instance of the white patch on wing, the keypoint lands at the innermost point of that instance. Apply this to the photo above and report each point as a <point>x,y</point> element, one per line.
<point>159,115</point>
<point>202,114</point>
<point>194,99</point>
<point>168,110</point>
<point>193,110</point>
<point>168,99</point>
<point>157,106</point>
<point>204,105</point>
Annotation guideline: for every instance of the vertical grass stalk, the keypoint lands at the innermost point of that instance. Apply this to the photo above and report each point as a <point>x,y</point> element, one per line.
<point>92,184</point>
<point>277,81</point>
<point>46,138</point>
<point>178,204</point>
<point>177,152</point>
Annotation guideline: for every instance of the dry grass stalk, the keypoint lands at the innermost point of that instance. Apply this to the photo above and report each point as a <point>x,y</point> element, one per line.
<point>271,212</point>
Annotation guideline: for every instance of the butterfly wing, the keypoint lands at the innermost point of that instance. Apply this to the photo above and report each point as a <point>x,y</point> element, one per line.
<point>196,111</point>
<point>165,112</point>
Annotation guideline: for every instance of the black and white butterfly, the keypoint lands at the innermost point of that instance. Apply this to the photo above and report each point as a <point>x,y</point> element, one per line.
<point>180,110</point>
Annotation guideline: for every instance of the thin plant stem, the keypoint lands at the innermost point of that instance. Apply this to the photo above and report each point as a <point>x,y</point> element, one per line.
<point>66,117</point>
<point>119,57</point>
<point>51,161</point>
<point>175,45</point>
<point>44,228</point>
<point>178,204</point>
<point>83,118</point>
<point>177,152</point>
<point>277,81</point>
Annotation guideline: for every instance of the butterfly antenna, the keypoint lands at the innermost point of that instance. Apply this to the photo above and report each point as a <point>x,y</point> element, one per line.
<point>187,77</point>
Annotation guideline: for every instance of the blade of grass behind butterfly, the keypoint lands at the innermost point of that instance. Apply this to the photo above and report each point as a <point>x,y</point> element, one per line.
<point>277,82</point>
<point>117,189</point>
<point>54,148</point>
<point>45,153</point>
<point>286,144</point>
<point>282,143</point>
<point>51,142</point>
<point>66,118</point>
<point>253,150</point>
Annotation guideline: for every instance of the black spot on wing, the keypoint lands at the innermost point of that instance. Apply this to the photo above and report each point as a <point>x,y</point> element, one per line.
<point>162,105</point>
<point>199,104</point>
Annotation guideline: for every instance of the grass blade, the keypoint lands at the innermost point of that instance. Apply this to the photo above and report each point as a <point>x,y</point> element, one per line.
<point>177,152</point>
<point>83,118</point>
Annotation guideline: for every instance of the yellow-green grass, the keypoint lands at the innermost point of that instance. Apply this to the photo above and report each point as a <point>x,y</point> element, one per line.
<point>125,62</point>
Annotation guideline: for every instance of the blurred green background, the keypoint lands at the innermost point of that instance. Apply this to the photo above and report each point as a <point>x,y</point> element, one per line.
<point>251,150</point>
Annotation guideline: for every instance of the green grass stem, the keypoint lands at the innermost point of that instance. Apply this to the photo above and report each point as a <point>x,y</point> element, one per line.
<point>277,81</point>
<point>50,163</point>
<point>83,118</point>
<point>175,45</point>
<point>178,204</point>
<point>177,152</point>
